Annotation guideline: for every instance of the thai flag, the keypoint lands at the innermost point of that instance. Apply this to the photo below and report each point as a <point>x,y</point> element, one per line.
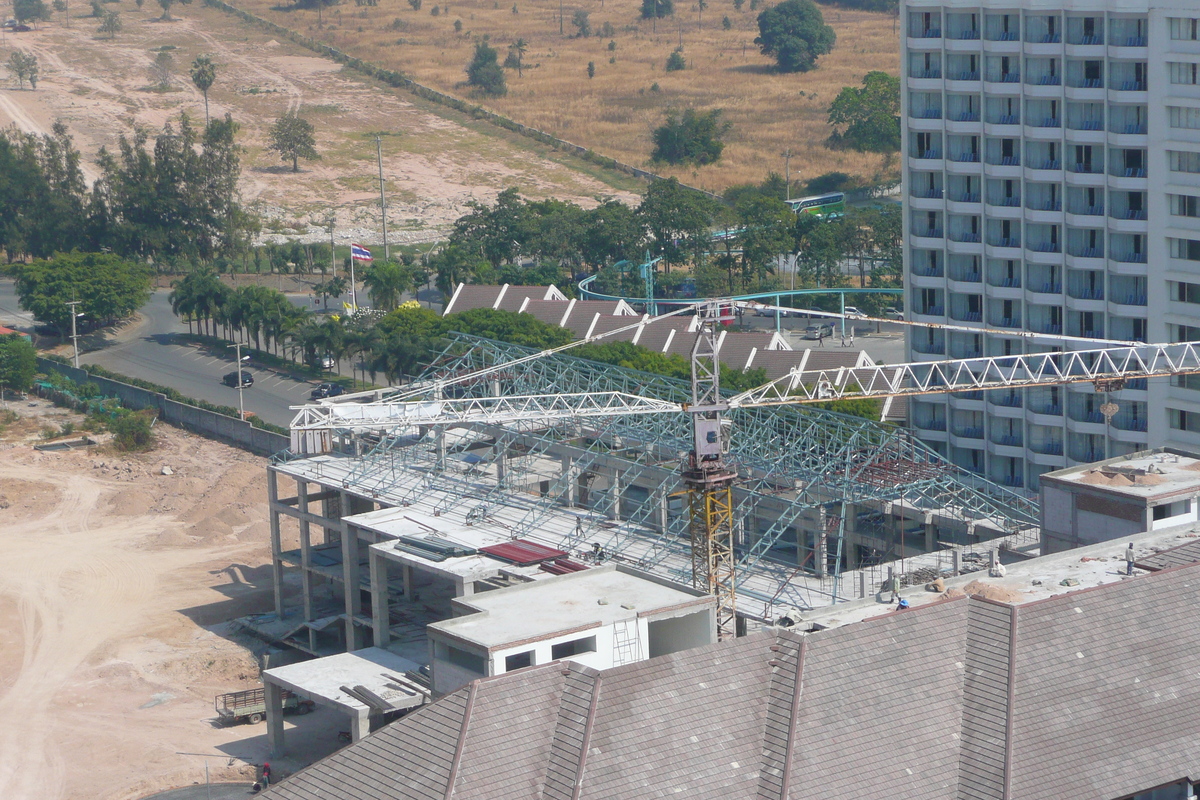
<point>360,253</point>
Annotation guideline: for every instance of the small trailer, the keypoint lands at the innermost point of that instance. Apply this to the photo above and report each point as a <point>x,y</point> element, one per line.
<point>251,706</point>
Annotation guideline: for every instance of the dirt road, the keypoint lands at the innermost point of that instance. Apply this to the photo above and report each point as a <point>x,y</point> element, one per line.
<point>114,579</point>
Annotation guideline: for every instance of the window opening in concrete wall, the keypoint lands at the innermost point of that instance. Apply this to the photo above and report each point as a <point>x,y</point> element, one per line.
<point>573,648</point>
<point>518,661</point>
<point>464,660</point>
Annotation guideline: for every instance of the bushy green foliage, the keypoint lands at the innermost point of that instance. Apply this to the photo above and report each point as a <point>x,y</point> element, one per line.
<point>657,9</point>
<point>690,138</point>
<point>795,34</point>
<point>132,431</point>
<point>293,137</point>
<point>676,61</point>
<point>867,118</point>
<point>25,67</point>
<point>484,71</point>
<point>107,287</point>
<point>18,363</point>
<point>30,10</point>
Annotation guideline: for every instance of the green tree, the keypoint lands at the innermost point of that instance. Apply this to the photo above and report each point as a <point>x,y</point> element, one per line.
<point>677,218</point>
<point>676,61</point>
<point>523,329</point>
<point>24,66</point>
<point>18,363</point>
<point>657,9</point>
<point>386,282</point>
<point>519,48</point>
<point>292,137</point>
<point>591,69</point>
<point>163,69</point>
<point>868,116</point>
<point>485,73</point>
<point>31,11</point>
<point>204,75</point>
<point>795,34</point>
<point>690,138</point>
<point>111,24</point>
<point>166,7</point>
<point>108,287</point>
<point>199,296</point>
<point>42,193</point>
<point>132,431</point>
<point>583,25</point>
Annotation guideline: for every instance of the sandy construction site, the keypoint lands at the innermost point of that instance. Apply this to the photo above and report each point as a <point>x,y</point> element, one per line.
<point>115,581</point>
<point>435,160</point>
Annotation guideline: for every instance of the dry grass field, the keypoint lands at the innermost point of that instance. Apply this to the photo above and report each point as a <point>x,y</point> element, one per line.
<point>615,111</point>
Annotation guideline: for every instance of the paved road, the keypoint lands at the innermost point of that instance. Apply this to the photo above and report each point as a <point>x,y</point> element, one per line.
<point>153,353</point>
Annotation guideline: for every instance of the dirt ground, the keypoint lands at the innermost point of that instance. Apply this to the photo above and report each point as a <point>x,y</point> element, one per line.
<point>116,580</point>
<point>435,161</point>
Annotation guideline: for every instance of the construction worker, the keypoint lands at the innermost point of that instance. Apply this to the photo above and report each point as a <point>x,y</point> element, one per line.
<point>266,774</point>
<point>1129,559</point>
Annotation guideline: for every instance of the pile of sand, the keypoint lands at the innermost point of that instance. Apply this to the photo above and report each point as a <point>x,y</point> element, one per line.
<point>988,591</point>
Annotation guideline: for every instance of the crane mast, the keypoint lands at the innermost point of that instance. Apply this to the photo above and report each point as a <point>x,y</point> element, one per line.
<point>709,480</point>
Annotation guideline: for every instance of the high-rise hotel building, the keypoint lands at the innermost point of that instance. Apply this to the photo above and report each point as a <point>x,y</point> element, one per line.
<point>1051,183</point>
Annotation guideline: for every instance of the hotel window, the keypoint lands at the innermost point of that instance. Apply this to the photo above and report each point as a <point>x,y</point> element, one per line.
<point>1184,28</point>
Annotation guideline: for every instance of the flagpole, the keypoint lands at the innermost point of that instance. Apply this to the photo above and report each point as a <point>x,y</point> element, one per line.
<point>353,290</point>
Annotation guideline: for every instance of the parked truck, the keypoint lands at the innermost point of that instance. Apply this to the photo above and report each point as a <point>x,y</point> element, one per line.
<point>251,706</point>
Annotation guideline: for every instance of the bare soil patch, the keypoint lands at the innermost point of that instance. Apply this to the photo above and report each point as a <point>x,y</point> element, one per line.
<point>435,161</point>
<point>116,581</point>
<point>616,111</point>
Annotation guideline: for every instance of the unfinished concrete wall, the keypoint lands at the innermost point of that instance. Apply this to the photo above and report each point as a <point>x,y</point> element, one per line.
<point>682,633</point>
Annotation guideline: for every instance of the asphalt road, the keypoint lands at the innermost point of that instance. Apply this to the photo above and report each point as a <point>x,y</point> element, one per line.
<point>153,353</point>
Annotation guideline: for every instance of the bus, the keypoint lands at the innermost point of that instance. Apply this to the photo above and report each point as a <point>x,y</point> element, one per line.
<point>824,206</point>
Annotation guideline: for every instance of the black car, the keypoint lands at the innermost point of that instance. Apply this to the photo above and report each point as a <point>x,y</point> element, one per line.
<point>327,390</point>
<point>231,379</point>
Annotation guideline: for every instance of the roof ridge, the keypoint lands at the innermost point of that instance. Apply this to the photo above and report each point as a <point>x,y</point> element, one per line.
<point>572,732</point>
<point>462,738</point>
<point>985,725</point>
<point>779,724</point>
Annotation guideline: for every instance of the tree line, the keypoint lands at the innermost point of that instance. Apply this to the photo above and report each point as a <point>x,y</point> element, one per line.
<point>173,199</point>
<point>553,242</point>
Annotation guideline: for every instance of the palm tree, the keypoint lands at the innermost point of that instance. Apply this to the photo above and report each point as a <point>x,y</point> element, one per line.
<point>386,283</point>
<point>204,75</point>
<point>360,342</point>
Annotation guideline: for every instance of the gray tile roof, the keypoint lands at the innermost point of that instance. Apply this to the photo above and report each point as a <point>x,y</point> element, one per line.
<point>1175,557</point>
<point>1088,694</point>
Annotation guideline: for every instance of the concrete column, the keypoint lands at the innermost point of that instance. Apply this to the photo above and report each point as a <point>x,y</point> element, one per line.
<point>820,551</point>
<point>930,536</point>
<point>568,478</point>
<point>305,549</point>
<point>276,545</point>
<point>360,724</point>
<point>379,598</point>
<point>409,590</point>
<point>350,580</point>
<point>465,588</point>
<point>439,436</point>
<point>500,452</point>
<point>614,498</point>
<point>274,698</point>
<point>664,516</point>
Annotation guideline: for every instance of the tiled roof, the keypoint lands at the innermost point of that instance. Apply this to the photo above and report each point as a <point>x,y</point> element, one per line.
<point>1087,694</point>
<point>1177,556</point>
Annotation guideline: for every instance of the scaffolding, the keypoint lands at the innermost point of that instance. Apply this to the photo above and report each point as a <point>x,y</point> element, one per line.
<point>804,481</point>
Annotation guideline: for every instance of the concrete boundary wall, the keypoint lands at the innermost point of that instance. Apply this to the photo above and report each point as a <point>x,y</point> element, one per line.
<point>230,430</point>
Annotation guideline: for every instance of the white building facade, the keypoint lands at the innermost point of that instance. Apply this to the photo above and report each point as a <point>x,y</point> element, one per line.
<point>1051,183</point>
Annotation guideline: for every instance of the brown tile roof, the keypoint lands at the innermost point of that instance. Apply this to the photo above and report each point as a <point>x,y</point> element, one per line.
<point>1085,694</point>
<point>1177,556</point>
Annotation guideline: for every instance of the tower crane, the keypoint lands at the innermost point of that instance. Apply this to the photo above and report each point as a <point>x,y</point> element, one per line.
<point>709,478</point>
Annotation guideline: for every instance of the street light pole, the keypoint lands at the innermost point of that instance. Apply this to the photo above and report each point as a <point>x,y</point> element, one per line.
<point>238,373</point>
<point>74,335</point>
<point>382,198</point>
<point>787,169</point>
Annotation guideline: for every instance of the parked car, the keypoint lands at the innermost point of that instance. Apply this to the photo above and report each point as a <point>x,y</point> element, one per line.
<point>231,379</point>
<point>893,313</point>
<point>19,28</point>
<point>854,313</point>
<point>324,362</point>
<point>817,331</point>
<point>327,390</point>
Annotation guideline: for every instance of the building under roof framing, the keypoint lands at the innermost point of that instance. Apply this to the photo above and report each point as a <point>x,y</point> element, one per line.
<point>822,496</point>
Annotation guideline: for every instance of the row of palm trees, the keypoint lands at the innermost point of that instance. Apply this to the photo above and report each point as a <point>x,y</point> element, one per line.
<point>266,320</point>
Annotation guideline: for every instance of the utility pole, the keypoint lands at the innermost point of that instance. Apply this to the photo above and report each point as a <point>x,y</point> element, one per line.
<point>74,335</point>
<point>787,169</point>
<point>332,220</point>
<point>238,372</point>
<point>382,198</point>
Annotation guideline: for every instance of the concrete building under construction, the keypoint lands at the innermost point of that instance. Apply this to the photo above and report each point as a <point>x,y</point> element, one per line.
<point>825,504</point>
